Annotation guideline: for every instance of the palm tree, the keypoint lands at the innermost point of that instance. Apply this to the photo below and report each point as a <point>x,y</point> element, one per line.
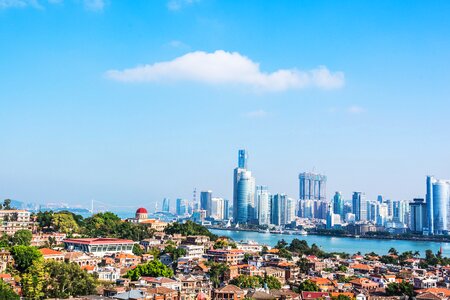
<point>393,251</point>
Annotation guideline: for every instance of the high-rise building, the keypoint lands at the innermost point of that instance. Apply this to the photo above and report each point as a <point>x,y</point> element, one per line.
<point>217,208</point>
<point>382,214</point>
<point>359,205</point>
<point>263,198</point>
<point>438,201</point>
<point>243,192</point>
<point>226,209</point>
<point>312,186</point>
<point>418,215</point>
<point>205,202</point>
<point>289,213</point>
<point>372,211</point>
<point>182,206</point>
<point>338,204</point>
<point>166,205</point>
<point>242,159</point>
<point>380,198</point>
<point>275,209</point>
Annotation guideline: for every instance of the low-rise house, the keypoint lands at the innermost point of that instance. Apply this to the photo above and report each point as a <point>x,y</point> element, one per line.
<point>41,239</point>
<point>425,282</point>
<point>364,284</point>
<point>276,272</point>
<point>193,251</point>
<point>126,259</point>
<point>162,293</point>
<point>229,256</point>
<point>5,259</point>
<point>50,254</point>
<point>161,282</point>
<point>166,259</point>
<point>314,295</point>
<point>324,284</point>
<point>82,259</point>
<point>228,292</point>
<point>108,273</point>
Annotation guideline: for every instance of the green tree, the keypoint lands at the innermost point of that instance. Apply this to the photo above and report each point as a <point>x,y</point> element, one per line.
<point>342,268</point>
<point>25,256</point>
<point>64,222</point>
<point>137,250</point>
<point>4,241</point>
<point>64,280</point>
<point>7,204</point>
<point>22,237</point>
<point>189,228</point>
<point>308,286</point>
<point>45,220</point>
<point>33,281</point>
<point>393,251</point>
<point>303,264</point>
<point>272,282</point>
<point>6,292</point>
<point>216,272</point>
<point>246,281</point>
<point>400,289</point>
<point>153,268</point>
<point>341,297</point>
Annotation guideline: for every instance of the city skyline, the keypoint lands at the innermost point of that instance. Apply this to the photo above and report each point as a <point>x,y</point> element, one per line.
<point>99,102</point>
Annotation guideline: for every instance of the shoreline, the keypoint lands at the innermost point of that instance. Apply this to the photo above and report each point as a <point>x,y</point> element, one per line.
<point>349,236</point>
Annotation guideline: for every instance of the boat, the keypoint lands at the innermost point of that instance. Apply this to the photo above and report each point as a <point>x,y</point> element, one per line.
<point>303,232</point>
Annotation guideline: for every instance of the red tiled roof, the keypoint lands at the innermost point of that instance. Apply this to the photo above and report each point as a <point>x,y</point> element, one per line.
<point>98,241</point>
<point>47,251</point>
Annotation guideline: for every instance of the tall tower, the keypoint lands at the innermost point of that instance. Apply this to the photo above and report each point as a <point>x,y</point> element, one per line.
<point>359,204</point>
<point>243,191</point>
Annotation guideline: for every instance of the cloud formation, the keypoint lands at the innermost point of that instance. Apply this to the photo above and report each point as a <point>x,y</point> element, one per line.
<point>228,68</point>
<point>92,5</point>
<point>256,114</point>
<point>354,109</point>
<point>175,5</point>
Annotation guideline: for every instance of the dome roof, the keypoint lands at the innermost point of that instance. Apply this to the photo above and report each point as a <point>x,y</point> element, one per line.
<point>141,210</point>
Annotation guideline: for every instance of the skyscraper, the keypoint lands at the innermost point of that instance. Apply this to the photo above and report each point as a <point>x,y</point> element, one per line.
<point>243,192</point>
<point>418,214</point>
<point>438,201</point>
<point>312,186</point>
<point>263,198</point>
<point>217,208</point>
<point>359,205</point>
<point>226,209</point>
<point>276,209</point>
<point>166,205</point>
<point>338,204</point>
<point>242,159</point>
<point>181,208</point>
<point>205,202</point>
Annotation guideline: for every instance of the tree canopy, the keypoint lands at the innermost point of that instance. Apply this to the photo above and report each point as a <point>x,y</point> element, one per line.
<point>153,268</point>
<point>189,228</point>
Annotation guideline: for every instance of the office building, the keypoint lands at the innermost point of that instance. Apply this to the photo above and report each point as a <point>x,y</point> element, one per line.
<point>166,205</point>
<point>244,210</point>
<point>312,186</point>
<point>338,204</point>
<point>217,208</point>
<point>182,207</point>
<point>418,215</point>
<point>359,205</point>
<point>263,199</point>
<point>205,202</point>
<point>438,200</point>
<point>226,209</point>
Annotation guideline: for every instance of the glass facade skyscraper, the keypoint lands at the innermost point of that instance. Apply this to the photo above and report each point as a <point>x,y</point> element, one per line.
<point>166,205</point>
<point>438,205</point>
<point>359,205</point>
<point>205,202</point>
<point>244,209</point>
<point>263,198</point>
<point>338,204</point>
<point>312,186</point>
<point>418,215</point>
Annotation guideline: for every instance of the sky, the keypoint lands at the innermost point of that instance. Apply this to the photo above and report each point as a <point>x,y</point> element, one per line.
<point>128,102</point>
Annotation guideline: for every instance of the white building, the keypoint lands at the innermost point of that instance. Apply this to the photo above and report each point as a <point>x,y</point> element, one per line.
<point>99,246</point>
<point>217,208</point>
<point>263,204</point>
<point>193,251</point>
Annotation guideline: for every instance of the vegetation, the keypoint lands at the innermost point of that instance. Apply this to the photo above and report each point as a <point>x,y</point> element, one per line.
<point>25,256</point>
<point>153,268</point>
<point>400,289</point>
<point>189,228</point>
<point>308,286</point>
<point>216,272</point>
<point>246,281</point>
<point>6,292</point>
<point>22,237</point>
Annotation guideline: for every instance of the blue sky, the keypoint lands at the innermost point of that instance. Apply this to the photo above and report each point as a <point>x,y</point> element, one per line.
<point>133,101</point>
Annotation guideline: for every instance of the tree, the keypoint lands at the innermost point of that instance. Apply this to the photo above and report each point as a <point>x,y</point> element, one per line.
<point>303,264</point>
<point>22,237</point>
<point>246,281</point>
<point>393,251</point>
<point>281,244</point>
<point>341,297</point>
<point>137,250</point>
<point>272,282</point>
<point>308,286</point>
<point>153,268</point>
<point>189,228</point>
<point>342,268</point>
<point>64,280</point>
<point>400,289</point>
<point>7,204</point>
<point>64,222</point>
<point>216,272</point>
<point>6,292</point>
<point>4,241</point>
<point>33,281</point>
<point>45,220</point>
<point>25,256</point>
<point>283,252</point>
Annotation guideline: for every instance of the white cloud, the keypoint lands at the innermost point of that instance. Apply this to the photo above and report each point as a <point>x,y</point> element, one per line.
<point>354,109</point>
<point>178,44</point>
<point>256,114</point>
<point>94,5</point>
<point>228,68</point>
<point>179,4</point>
<point>4,4</point>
